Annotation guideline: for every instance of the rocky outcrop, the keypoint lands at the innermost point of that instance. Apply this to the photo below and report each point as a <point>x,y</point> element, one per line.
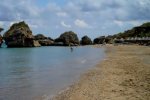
<point>1,29</point>
<point>43,40</point>
<point>68,38</point>
<point>86,40</point>
<point>1,39</point>
<point>99,40</point>
<point>40,37</point>
<point>46,42</point>
<point>109,39</point>
<point>19,35</point>
<point>36,43</point>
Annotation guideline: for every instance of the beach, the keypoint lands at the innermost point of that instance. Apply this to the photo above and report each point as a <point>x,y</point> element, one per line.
<point>123,75</point>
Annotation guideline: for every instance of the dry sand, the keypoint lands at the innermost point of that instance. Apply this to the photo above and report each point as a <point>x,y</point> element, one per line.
<point>124,75</point>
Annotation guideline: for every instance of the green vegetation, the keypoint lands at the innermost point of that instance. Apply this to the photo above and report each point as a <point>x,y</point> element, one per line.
<point>140,31</point>
<point>20,27</point>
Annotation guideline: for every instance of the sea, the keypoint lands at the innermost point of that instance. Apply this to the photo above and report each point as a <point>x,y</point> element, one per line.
<point>42,72</point>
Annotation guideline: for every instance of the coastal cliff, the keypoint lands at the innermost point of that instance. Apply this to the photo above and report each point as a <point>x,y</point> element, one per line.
<point>20,35</point>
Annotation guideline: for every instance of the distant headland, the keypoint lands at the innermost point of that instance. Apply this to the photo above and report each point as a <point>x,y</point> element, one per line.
<point>20,35</point>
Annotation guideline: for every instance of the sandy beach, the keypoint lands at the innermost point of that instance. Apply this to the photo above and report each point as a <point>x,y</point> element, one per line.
<point>123,75</point>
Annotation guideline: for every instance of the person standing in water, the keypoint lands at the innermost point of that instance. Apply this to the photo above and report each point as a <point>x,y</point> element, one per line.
<point>71,48</point>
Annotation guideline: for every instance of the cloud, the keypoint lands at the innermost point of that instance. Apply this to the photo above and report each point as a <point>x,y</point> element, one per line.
<point>119,23</point>
<point>131,22</point>
<point>65,25</point>
<point>114,9</point>
<point>12,22</point>
<point>20,9</point>
<point>1,24</point>
<point>62,14</point>
<point>81,23</point>
<point>98,17</point>
<point>33,25</point>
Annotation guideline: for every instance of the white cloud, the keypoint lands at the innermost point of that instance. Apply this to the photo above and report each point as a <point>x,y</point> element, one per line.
<point>65,25</point>
<point>62,14</point>
<point>81,23</point>
<point>1,24</point>
<point>136,22</point>
<point>33,26</point>
<point>82,16</point>
<point>132,22</point>
<point>13,22</point>
<point>119,23</point>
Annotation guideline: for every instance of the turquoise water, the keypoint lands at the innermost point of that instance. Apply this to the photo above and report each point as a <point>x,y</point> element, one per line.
<point>31,73</point>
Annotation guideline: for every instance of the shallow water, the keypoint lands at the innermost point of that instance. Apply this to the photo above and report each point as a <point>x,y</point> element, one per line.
<point>30,73</point>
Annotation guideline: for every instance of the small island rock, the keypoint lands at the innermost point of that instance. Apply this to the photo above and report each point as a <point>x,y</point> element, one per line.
<point>68,38</point>
<point>86,41</point>
<point>20,35</point>
<point>43,40</point>
<point>99,40</point>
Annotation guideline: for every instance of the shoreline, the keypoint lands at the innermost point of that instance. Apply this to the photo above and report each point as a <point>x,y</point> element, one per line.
<point>115,78</point>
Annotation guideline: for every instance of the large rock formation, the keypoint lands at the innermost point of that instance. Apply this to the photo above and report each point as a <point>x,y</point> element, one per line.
<point>99,40</point>
<point>68,38</point>
<point>20,35</point>
<point>43,40</point>
<point>86,40</point>
<point>1,39</point>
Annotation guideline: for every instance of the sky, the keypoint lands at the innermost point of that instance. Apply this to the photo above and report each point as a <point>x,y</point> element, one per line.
<point>85,17</point>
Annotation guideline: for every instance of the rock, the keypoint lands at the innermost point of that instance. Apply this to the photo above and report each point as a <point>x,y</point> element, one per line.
<point>109,39</point>
<point>86,40</point>
<point>19,35</point>
<point>58,44</point>
<point>1,29</point>
<point>39,37</point>
<point>36,43</point>
<point>1,40</point>
<point>68,38</point>
<point>99,40</point>
<point>44,41</point>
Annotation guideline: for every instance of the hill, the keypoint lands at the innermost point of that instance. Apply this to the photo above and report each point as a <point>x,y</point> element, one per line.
<point>139,31</point>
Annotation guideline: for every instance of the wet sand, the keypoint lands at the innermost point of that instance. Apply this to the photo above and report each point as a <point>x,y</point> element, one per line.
<point>123,75</point>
